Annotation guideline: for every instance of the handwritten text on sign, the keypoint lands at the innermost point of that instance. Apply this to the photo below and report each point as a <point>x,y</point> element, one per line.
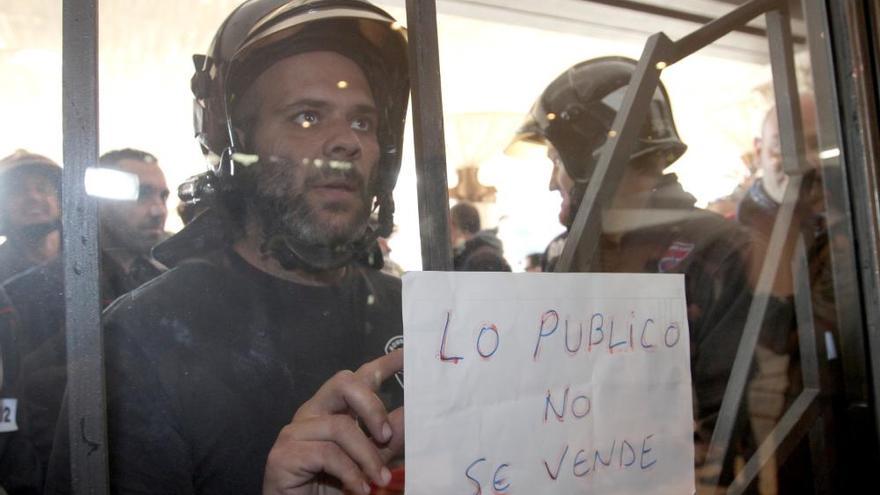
<point>547,383</point>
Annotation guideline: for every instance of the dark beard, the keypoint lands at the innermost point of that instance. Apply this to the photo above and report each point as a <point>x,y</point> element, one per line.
<point>286,217</point>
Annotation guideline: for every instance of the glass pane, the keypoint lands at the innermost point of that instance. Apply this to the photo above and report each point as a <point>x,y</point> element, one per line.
<point>241,271</point>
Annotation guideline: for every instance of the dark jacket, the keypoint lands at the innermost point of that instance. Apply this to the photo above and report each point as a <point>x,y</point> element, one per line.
<point>483,252</point>
<point>34,355</point>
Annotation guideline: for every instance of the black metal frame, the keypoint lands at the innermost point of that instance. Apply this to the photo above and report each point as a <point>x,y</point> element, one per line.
<point>85,346</point>
<point>860,149</point>
<point>430,146</point>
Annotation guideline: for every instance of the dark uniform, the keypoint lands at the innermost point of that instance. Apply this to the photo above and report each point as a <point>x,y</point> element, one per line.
<point>34,354</point>
<point>662,231</point>
<point>207,363</point>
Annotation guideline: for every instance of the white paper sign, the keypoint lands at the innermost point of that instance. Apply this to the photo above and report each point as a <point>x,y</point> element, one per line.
<point>547,384</point>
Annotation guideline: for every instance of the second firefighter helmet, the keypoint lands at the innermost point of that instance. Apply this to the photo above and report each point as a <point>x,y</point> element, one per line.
<point>576,111</point>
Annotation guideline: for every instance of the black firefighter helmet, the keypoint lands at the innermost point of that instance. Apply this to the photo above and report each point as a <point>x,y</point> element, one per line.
<point>576,111</point>
<point>260,33</point>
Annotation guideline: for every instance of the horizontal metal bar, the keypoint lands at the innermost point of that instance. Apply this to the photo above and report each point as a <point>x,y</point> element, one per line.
<point>616,155</point>
<point>720,27</point>
<point>795,423</point>
<point>673,13</point>
<point>430,146</point>
<point>85,348</point>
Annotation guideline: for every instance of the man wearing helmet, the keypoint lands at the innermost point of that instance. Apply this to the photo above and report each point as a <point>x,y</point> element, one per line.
<point>30,211</point>
<point>651,224</point>
<point>299,107</point>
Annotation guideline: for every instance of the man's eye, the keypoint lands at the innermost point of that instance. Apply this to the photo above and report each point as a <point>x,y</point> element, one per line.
<point>362,124</point>
<point>306,119</point>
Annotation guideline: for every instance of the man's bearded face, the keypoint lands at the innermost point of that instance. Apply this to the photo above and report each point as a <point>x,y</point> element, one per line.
<point>315,134</point>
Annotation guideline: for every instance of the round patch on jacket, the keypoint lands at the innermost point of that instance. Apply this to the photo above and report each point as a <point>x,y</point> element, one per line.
<point>393,344</point>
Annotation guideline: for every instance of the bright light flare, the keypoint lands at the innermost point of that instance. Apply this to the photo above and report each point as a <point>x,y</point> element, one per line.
<point>829,153</point>
<point>108,183</point>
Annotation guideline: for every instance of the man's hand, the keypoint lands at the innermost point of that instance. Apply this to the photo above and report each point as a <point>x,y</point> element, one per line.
<point>324,436</point>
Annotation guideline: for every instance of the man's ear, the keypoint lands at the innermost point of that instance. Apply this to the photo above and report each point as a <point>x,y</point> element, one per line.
<point>757,144</point>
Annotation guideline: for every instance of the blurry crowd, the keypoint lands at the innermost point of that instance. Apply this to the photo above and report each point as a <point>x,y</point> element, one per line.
<point>268,239</point>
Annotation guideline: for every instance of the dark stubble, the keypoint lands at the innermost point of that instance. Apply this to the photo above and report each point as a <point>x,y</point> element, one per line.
<point>283,210</point>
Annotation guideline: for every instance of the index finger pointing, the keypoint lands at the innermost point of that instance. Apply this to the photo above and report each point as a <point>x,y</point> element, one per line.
<point>378,370</point>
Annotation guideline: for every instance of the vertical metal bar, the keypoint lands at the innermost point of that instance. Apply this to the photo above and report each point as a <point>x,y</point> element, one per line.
<point>814,367</point>
<point>785,88</point>
<point>430,146</point>
<point>838,206</point>
<point>792,141</point>
<point>861,151</point>
<point>619,147</point>
<point>85,349</point>
<point>805,413</point>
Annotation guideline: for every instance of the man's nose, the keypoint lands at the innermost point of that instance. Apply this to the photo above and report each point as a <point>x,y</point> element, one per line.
<point>553,185</point>
<point>343,142</point>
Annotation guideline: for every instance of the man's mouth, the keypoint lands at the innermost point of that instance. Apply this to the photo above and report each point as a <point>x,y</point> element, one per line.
<point>336,189</point>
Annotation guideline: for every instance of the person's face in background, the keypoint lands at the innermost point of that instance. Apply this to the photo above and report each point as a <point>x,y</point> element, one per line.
<point>769,152</point>
<point>634,191</point>
<point>137,226</point>
<point>560,181</point>
<point>29,198</point>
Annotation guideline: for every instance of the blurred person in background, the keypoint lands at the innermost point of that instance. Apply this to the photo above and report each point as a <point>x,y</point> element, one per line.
<point>534,262</point>
<point>778,378</point>
<point>33,314</point>
<point>30,211</point>
<point>474,249</point>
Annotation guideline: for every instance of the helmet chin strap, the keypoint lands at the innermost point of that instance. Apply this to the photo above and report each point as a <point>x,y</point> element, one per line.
<point>294,254</point>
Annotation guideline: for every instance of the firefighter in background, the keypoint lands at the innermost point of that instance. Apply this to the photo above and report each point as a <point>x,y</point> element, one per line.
<point>651,225</point>
<point>30,212</point>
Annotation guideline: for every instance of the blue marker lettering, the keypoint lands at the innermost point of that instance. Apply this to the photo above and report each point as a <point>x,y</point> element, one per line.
<point>488,328</point>
<point>594,328</point>
<point>467,473</point>
<point>443,356</point>
<point>545,331</point>
<point>624,446</point>
<point>598,458</point>
<point>580,339</point>
<point>500,485</point>
<point>578,460</point>
<point>548,404</point>
<point>586,408</point>
<point>676,334</point>
<point>555,475</point>
<point>645,451</point>
<point>644,330</point>
<point>611,343</point>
